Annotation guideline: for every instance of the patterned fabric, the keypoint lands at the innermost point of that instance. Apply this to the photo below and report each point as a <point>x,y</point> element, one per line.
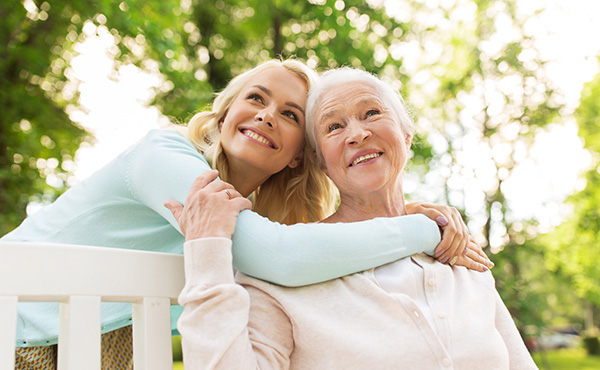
<point>117,353</point>
<point>36,358</point>
<point>117,349</point>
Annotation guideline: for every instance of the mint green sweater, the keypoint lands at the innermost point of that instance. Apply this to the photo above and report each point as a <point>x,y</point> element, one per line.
<point>121,206</point>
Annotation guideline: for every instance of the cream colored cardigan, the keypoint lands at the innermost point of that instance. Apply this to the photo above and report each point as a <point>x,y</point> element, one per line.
<point>345,323</point>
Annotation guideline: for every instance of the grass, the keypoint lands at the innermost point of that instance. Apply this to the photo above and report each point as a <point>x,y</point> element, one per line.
<point>562,359</point>
<point>566,359</point>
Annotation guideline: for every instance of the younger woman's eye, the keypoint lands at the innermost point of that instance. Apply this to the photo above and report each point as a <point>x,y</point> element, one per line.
<point>290,114</point>
<point>371,113</point>
<point>256,97</point>
<point>334,126</point>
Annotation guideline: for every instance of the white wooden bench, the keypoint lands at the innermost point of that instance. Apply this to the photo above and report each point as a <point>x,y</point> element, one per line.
<point>80,277</point>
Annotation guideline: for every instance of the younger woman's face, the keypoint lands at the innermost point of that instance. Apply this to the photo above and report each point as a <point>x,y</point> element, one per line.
<point>263,129</point>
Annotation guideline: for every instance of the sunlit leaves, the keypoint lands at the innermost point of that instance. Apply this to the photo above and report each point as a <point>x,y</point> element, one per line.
<point>37,138</point>
<point>573,246</point>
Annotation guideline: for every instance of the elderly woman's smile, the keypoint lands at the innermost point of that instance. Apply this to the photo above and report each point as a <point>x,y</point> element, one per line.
<point>362,145</point>
<point>360,159</point>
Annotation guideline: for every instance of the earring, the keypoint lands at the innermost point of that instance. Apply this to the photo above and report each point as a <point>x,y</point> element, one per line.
<point>293,163</point>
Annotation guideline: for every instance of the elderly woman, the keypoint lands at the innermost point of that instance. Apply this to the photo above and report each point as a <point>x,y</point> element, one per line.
<point>412,313</point>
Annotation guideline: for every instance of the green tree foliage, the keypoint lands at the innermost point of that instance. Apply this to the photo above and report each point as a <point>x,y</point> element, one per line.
<point>224,38</point>
<point>37,138</point>
<point>573,246</point>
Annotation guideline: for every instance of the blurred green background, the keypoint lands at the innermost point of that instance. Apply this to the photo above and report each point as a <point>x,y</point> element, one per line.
<point>476,75</point>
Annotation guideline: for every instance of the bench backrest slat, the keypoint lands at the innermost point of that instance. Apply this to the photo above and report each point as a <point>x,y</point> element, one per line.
<point>80,277</point>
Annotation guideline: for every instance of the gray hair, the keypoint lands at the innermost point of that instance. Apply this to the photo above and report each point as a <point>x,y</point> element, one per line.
<point>345,75</point>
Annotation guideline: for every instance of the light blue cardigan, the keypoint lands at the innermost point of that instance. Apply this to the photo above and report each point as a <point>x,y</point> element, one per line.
<point>121,206</point>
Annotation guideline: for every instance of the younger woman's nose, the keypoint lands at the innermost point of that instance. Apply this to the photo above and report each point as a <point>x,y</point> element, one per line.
<point>266,116</point>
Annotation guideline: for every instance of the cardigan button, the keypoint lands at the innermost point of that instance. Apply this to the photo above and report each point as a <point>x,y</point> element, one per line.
<point>446,361</point>
<point>431,282</point>
<point>416,313</point>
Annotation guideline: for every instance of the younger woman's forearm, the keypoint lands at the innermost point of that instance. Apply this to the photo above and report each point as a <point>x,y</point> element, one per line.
<point>303,254</point>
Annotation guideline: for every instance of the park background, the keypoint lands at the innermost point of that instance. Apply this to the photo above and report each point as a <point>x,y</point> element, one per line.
<point>505,94</point>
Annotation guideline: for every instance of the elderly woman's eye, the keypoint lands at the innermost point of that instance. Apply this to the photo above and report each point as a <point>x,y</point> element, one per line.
<point>334,126</point>
<point>371,113</point>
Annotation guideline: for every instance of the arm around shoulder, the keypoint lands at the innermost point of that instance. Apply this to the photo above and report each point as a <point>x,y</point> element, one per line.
<point>303,254</point>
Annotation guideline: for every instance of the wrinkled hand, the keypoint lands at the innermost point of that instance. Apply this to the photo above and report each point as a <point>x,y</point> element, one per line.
<point>457,246</point>
<point>211,208</point>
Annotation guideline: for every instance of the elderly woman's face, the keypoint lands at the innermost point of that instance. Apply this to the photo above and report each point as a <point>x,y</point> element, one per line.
<point>363,146</point>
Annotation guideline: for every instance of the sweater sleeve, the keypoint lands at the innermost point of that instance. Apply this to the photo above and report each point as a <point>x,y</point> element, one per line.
<point>519,356</point>
<point>305,254</point>
<point>214,323</point>
<point>164,166</point>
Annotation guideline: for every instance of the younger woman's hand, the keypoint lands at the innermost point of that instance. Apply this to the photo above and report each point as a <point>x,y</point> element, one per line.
<point>474,259</point>
<point>455,234</point>
<point>211,208</point>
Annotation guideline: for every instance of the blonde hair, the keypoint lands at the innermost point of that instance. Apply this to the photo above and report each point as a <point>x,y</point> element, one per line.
<point>292,195</point>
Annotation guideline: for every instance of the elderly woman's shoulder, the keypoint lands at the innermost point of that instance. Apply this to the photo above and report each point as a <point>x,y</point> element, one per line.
<point>254,285</point>
<point>473,276</point>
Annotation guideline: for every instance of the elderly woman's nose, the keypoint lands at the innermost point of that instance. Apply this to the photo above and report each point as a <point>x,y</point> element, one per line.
<point>266,116</point>
<point>357,133</point>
